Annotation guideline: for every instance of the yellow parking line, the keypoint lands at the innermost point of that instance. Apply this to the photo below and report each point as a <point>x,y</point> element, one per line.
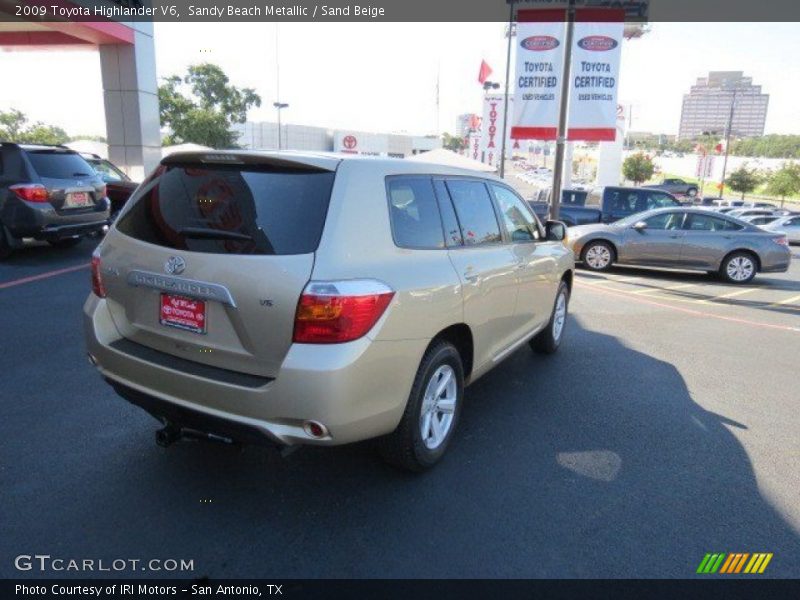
<point>666,288</point>
<point>786,301</point>
<point>729,295</point>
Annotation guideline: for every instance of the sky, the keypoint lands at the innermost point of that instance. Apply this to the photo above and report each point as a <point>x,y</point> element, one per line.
<point>383,76</point>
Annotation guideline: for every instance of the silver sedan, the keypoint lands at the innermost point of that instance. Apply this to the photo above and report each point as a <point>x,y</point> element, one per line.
<point>789,225</point>
<point>693,239</point>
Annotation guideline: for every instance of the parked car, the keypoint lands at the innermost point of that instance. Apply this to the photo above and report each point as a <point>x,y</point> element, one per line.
<point>760,219</point>
<point>685,238</point>
<point>119,186</point>
<point>604,204</point>
<point>312,299</point>
<point>48,193</point>
<point>676,186</point>
<point>790,225</point>
<point>750,212</point>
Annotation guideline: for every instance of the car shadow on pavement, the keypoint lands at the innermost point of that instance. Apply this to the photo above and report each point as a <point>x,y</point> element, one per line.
<point>551,474</point>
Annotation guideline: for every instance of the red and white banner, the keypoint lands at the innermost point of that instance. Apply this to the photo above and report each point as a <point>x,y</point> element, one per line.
<point>539,69</point>
<point>594,74</point>
<point>474,146</point>
<point>492,129</point>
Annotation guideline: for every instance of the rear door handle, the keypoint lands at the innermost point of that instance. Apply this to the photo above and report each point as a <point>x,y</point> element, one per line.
<point>470,275</point>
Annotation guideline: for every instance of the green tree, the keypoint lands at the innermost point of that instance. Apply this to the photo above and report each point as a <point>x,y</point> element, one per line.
<point>453,142</point>
<point>201,107</point>
<point>743,180</point>
<point>14,127</point>
<point>638,168</point>
<point>785,181</point>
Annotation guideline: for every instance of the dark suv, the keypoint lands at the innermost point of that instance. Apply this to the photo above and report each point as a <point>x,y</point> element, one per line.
<point>119,186</point>
<point>48,193</point>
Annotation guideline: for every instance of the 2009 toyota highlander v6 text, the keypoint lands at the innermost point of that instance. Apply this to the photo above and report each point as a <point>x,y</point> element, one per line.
<point>316,299</point>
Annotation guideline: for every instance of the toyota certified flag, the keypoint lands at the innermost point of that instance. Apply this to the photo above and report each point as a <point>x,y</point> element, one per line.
<point>540,65</point>
<point>484,73</point>
<point>594,76</point>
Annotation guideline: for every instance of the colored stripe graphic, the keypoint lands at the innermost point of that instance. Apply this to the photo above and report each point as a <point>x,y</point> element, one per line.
<point>734,562</point>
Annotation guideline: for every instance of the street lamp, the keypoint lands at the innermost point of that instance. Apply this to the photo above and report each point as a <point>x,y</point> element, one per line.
<point>278,106</point>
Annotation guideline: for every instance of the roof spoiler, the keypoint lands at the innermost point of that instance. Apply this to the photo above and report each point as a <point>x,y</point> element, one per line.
<point>259,160</point>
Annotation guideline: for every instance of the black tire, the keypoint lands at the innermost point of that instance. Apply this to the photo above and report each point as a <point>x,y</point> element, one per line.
<point>69,242</point>
<point>548,340</point>
<point>598,245</point>
<point>5,248</point>
<point>748,267</point>
<point>404,447</point>
<point>691,192</point>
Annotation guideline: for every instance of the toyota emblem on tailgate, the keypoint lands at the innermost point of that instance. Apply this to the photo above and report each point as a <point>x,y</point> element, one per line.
<point>174,265</point>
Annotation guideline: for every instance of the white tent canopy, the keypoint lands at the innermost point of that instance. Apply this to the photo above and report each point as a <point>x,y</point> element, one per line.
<point>440,156</point>
<point>167,150</point>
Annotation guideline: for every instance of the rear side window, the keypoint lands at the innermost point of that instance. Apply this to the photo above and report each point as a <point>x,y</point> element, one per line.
<point>695,222</point>
<point>229,210</point>
<point>475,212</point>
<point>59,165</point>
<point>414,213</point>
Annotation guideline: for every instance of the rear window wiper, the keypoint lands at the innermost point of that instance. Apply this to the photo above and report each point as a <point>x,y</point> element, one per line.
<point>80,175</point>
<point>207,233</point>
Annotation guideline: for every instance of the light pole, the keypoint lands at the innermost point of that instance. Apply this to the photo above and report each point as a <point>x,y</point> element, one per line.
<point>727,143</point>
<point>279,106</point>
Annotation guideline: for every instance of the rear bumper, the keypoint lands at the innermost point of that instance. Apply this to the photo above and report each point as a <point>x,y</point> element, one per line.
<point>43,222</point>
<point>776,261</point>
<point>356,390</point>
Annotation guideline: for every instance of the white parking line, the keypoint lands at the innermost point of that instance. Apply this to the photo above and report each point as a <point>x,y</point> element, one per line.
<point>730,295</point>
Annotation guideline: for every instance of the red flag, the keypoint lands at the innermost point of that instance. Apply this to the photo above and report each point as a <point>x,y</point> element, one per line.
<point>484,73</point>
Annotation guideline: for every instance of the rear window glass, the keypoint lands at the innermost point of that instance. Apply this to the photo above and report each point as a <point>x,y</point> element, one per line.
<point>59,165</point>
<point>415,215</point>
<point>229,210</point>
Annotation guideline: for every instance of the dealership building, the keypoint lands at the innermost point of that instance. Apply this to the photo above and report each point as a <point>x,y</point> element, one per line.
<point>264,136</point>
<point>128,69</point>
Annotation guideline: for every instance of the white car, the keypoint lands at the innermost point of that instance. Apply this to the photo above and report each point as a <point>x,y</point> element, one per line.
<point>790,225</point>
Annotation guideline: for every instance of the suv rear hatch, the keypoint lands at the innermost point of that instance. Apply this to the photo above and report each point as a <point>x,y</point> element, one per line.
<point>208,259</point>
<point>71,182</point>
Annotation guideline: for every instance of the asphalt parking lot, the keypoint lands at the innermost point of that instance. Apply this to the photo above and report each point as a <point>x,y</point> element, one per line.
<point>667,427</point>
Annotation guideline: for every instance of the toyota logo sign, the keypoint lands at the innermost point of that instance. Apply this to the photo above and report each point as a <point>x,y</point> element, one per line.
<point>349,142</point>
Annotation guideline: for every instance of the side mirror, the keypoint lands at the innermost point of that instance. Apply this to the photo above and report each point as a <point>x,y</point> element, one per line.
<point>640,226</point>
<point>555,231</point>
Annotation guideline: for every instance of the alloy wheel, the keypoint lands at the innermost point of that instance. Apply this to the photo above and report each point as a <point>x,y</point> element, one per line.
<point>598,257</point>
<point>438,407</point>
<point>740,268</point>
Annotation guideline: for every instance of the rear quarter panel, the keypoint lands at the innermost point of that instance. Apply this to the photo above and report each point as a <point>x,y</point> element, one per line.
<point>357,243</point>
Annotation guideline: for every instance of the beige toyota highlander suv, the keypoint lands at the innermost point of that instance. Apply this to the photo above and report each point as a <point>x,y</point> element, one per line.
<point>300,298</point>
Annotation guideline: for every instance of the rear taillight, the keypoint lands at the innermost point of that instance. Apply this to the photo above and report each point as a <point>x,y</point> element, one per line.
<point>98,288</point>
<point>101,193</point>
<point>332,312</point>
<point>782,240</point>
<point>31,192</point>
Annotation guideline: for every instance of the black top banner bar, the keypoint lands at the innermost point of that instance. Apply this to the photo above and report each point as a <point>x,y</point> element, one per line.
<point>384,10</point>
